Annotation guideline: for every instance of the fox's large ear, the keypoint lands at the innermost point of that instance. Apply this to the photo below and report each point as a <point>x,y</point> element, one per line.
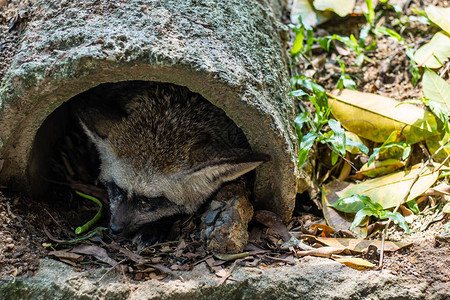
<point>99,119</point>
<point>199,183</point>
<point>99,139</point>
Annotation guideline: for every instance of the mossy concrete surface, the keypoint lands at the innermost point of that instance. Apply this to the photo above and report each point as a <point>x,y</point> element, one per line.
<point>231,52</point>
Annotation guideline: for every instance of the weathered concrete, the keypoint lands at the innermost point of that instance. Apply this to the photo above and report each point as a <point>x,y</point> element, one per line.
<point>231,52</point>
<point>310,278</point>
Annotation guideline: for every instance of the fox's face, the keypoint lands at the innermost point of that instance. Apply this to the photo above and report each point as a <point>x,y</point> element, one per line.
<point>163,152</point>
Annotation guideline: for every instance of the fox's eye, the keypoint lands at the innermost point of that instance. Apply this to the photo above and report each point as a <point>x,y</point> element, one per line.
<point>152,204</point>
<point>115,193</point>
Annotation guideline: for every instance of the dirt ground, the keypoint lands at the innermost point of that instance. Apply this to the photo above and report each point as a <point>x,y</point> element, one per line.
<point>22,219</point>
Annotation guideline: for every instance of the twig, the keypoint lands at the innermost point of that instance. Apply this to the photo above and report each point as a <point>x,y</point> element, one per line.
<point>166,270</point>
<point>230,270</point>
<point>380,264</point>
<point>111,268</point>
<point>126,281</point>
<point>202,260</point>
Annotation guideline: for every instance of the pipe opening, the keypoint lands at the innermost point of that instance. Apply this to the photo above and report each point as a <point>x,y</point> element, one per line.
<point>80,143</point>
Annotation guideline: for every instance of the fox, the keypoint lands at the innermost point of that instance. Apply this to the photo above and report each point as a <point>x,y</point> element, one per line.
<point>163,152</point>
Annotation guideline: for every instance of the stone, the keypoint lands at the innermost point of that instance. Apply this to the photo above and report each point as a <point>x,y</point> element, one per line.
<point>225,222</point>
<point>309,278</point>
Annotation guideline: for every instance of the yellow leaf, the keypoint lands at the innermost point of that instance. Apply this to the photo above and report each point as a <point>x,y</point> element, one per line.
<point>310,16</point>
<point>434,143</point>
<point>388,190</point>
<point>341,7</point>
<point>360,245</point>
<point>439,47</point>
<point>355,138</point>
<point>320,252</point>
<point>439,16</point>
<point>375,117</point>
<point>355,263</point>
<point>378,168</point>
<point>447,208</point>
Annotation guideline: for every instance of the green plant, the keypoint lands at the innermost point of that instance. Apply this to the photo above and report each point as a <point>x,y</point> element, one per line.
<point>364,207</point>
<point>351,42</point>
<point>301,31</point>
<point>335,137</point>
<point>345,81</point>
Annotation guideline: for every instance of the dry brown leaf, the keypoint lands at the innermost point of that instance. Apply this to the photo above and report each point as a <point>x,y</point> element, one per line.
<point>210,261</point>
<point>184,267</point>
<point>320,252</point>
<point>64,254</point>
<point>180,248</point>
<point>133,256</point>
<point>441,189</point>
<point>227,257</point>
<point>146,270</point>
<point>98,253</point>
<point>327,231</point>
<point>272,221</point>
<point>69,262</point>
<point>157,276</point>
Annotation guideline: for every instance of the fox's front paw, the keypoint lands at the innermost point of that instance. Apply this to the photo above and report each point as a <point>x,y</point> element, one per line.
<point>149,234</point>
<point>154,232</point>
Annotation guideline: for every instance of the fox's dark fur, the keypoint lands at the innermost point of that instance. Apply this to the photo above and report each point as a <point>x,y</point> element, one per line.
<point>163,150</point>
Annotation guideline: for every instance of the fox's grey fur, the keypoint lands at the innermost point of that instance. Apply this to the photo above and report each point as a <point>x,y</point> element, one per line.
<point>163,150</point>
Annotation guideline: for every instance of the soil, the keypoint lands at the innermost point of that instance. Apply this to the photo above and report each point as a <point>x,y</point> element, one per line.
<point>28,225</point>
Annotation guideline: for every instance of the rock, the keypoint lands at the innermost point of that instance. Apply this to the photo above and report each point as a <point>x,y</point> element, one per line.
<point>310,278</point>
<point>226,220</point>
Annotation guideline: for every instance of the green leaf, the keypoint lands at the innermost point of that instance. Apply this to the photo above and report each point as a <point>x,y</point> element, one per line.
<point>324,42</point>
<point>370,16</point>
<point>393,34</point>
<point>388,190</point>
<point>298,42</point>
<point>314,88</point>
<point>338,139</point>
<point>397,217</point>
<point>299,121</point>
<point>342,65</point>
<point>435,88</point>
<point>375,207</point>
<point>334,156</point>
<point>309,39</point>
<point>412,205</point>
<point>363,34</point>
<point>306,145</point>
<point>352,141</point>
<point>349,83</point>
<point>360,215</point>
<point>359,60</point>
<point>351,204</point>
<point>440,111</point>
<point>297,93</point>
